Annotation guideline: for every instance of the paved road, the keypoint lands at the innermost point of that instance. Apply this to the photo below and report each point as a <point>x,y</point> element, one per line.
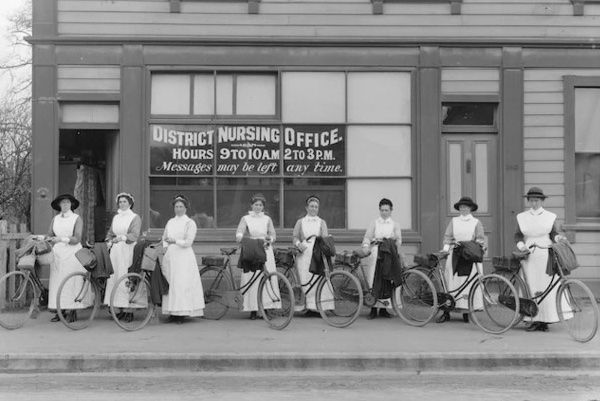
<point>296,386</point>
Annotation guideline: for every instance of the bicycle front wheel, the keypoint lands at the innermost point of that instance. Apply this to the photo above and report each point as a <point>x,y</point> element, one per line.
<point>215,285</point>
<point>415,299</point>
<point>77,301</point>
<point>494,304</point>
<point>577,310</point>
<point>339,299</point>
<point>276,300</point>
<point>17,295</point>
<point>137,312</point>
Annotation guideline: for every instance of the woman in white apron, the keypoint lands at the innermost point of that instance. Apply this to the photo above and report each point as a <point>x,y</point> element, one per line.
<point>382,227</point>
<point>463,227</point>
<point>122,236</point>
<point>538,226</point>
<point>65,233</point>
<point>180,268</point>
<point>309,226</point>
<point>257,225</point>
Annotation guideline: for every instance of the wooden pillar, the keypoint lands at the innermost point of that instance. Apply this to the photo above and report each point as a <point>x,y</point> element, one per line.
<point>132,136</point>
<point>428,136</point>
<point>512,143</point>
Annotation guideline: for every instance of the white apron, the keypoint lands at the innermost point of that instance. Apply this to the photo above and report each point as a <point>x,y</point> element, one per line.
<point>257,226</point>
<point>463,229</point>
<point>311,226</point>
<point>383,229</point>
<point>180,268</point>
<point>536,227</point>
<point>121,257</point>
<point>64,264</point>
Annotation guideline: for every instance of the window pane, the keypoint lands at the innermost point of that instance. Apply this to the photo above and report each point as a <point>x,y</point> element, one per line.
<point>255,95</point>
<point>379,151</point>
<point>468,113</point>
<point>204,94</point>
<point>170,94</point>
<point>454,173</point>
<point>587,120</point>
<point>364,197</point>
<point>233,199</point>
<point>587,184</point>
<point>89,113</point>
<point>379,97</point>
<point>224,94</point>
<point>481,176</point>
<point>199,191</point>
<point>331,192</point>
<point>313,97</point>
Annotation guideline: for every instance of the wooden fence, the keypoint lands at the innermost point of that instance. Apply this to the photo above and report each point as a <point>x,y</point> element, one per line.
<point>11,236</point>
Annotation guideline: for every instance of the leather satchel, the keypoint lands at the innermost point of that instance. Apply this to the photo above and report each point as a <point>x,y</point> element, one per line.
<point>151,256</point>
<point>87,258</point>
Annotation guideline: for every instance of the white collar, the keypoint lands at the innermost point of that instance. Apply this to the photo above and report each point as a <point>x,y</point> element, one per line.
<point>182,217</point>
<point>254,214</point>
<point>311,218</point>
<point>67,214</point>
<point>124,212</point>
<point>384,221</point>
<point>536,212</point>
<point>465,218</point>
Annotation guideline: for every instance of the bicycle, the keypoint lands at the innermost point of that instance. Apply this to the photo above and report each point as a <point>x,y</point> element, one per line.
<point>414,299</point>
<point>484,298</point>
<point>21,293</point>
<point>140,308</point>
<point>338,288</point>
<point>82,308</point>
<point>220,293</point>
<point>575,303</point>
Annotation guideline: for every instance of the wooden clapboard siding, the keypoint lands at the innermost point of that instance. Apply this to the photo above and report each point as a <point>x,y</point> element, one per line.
<point>543,111</point>
<point>327,19</point>
<point>470,80</point>
<point>73,78</point>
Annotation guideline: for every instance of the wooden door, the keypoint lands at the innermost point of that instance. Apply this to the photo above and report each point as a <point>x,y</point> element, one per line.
<point>470,168</point>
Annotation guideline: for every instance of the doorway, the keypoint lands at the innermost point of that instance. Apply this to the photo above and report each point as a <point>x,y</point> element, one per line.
<point>470,168</point>
<point>87,170</point>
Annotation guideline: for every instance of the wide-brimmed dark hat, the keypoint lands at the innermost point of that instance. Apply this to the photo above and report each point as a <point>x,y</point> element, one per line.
<point>56,202</point>
<point>465,200</point>
<point>535,192</point>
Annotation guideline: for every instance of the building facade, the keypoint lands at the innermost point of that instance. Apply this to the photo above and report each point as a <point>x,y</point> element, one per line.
<point>419,101</point>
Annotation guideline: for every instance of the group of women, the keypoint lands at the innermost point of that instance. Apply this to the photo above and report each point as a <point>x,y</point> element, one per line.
<point>185,296</point>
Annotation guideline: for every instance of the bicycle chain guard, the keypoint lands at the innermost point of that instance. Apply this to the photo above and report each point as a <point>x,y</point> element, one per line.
<point>446,301</point>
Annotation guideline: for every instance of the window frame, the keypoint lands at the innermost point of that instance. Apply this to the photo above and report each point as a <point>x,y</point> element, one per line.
<point>570,84</point>
<point>411,235</point>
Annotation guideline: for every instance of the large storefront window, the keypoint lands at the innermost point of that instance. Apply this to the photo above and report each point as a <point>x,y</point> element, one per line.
<point>587,152</point>
<point>344,136</point>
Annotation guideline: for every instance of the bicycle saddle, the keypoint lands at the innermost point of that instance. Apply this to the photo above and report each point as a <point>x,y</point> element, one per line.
<point>228,251</point>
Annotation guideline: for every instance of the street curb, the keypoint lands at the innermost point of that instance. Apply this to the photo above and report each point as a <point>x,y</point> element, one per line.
<point>398,362</point>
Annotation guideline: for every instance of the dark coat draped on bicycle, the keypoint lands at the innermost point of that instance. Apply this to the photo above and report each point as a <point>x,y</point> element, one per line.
<point>253,255</point>
<point>322,253</point>
<point>466,253</point>
<point>388,270</point>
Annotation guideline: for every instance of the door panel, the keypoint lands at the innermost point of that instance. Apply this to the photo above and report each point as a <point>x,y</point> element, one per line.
<point>470,168</point>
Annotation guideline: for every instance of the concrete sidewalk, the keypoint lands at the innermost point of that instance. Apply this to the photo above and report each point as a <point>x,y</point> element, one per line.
<point>236,343</point>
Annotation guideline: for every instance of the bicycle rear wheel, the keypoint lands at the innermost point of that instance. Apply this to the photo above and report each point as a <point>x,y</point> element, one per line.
<point>577,309</point>
<point>339,300</point>
<point>215,285</point>
<point>276,300</point>
<point>493,304</point>
<point>77,301</point>
<point>520,287</point>
<point>140,309</point>
<point>17,295</point>
<point>415,299</point>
